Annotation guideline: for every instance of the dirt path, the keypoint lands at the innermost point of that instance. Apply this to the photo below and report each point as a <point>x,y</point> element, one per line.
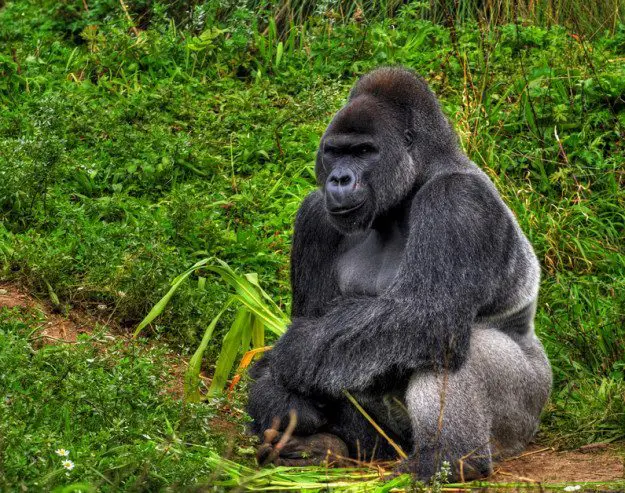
<point>598,462</point>
<point>55,327</point>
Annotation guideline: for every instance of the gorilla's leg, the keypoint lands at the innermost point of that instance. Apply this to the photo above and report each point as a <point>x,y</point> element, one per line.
<point>308,450</point>
<point>362,439</point>
<point>449,424</point>
<point>347,434</point>
<point>485,411</point>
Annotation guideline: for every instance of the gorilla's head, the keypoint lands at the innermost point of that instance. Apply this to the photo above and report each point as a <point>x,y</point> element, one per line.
<point>378,148</point>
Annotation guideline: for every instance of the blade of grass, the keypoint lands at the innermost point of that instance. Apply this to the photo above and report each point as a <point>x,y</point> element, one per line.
<point>162,303</point>
<point>192,375</point>
<point>229,350</point>
<point>361,410</point>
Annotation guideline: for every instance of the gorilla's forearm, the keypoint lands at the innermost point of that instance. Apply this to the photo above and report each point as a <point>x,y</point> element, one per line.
<point>366,340</point>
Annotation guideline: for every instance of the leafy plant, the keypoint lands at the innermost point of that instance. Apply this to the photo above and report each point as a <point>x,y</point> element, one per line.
<point>257,314</point>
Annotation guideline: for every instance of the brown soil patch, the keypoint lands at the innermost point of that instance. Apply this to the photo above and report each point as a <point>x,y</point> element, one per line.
<point>55,326</point>
<point>599,462</point>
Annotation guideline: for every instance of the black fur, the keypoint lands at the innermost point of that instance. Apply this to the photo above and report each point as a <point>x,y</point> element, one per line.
<point>392,271</point>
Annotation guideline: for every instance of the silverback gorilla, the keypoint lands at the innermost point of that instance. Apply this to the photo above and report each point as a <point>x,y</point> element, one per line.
<point>414,289</point>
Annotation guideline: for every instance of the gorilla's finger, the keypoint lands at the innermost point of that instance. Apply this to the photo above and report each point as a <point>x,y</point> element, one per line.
<point>271,436</point>
<point>265,454</point>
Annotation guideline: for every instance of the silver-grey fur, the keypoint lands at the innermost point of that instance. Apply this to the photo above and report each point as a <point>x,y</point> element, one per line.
<point>414,289</point>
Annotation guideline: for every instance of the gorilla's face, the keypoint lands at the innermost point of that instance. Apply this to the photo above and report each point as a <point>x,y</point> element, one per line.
<point>364,165</point>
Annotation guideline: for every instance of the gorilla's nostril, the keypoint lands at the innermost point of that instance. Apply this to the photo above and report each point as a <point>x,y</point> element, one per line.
<point>341,178</point>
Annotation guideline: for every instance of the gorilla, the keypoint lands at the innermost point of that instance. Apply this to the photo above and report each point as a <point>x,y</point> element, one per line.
<point>414,290</point>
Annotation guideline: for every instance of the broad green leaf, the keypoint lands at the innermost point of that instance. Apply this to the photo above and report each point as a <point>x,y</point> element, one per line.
<point>279,53</point>
<point>273,323</point>
<point>258,333</point>
<point>229,350</point>
<point>246,334</point>
<point>192,375</point>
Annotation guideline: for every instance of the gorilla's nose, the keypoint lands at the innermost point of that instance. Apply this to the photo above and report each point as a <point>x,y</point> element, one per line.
<point>340,188</point>
<point>340,182</point>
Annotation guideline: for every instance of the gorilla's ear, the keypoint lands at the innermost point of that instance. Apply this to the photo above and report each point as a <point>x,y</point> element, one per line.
<point>408,138</point>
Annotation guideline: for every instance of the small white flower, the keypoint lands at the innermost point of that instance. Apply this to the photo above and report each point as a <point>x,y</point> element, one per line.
<point>62,452</point>
<point>573,488</point>
<point>68,464</point>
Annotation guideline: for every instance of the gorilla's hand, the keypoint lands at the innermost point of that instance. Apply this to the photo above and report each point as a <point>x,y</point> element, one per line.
<point>269,401</point>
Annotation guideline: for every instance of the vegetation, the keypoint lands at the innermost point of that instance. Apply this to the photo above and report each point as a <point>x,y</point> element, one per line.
<point>139,137</point>
<point>103,402</point>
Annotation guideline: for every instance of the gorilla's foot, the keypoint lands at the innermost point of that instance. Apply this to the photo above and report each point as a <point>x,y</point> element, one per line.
<point>311,450</point>
<point>425,470</point>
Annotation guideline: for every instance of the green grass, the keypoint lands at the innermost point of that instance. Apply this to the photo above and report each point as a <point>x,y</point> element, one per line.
<point>124,160</point>
<point>107,402</point>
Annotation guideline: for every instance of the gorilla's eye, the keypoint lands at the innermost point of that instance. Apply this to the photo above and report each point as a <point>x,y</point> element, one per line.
<point>363,150</point>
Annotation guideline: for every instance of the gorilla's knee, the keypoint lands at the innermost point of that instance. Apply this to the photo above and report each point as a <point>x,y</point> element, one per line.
<point>451,425</point>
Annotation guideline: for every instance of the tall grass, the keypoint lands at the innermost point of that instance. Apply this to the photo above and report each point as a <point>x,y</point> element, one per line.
<point>587,17</point>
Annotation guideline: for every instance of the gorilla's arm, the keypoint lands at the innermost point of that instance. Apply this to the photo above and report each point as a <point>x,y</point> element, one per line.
<point>460,244</point>
<point>315,244</point>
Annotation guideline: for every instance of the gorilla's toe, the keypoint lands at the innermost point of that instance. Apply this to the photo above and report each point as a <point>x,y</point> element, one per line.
<point>319,449</point>
<point>265,454</point>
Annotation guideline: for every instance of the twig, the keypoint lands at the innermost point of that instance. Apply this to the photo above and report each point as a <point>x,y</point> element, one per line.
<point>519,478</point>
<point>288,432</point>
<point>529,453</point>
<point>132,24</point>
<point>44,336</point>
<point>392,443</point>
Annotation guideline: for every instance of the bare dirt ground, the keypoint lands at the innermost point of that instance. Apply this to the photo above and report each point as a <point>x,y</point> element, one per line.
<point>595,462</point>
<point>55,327</point>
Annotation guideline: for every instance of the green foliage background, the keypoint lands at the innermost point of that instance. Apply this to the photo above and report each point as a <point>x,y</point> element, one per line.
<point>132,145</point>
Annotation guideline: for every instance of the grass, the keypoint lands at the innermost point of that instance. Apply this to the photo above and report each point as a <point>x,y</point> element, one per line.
<point>107,402</point>
<point>131,149</point>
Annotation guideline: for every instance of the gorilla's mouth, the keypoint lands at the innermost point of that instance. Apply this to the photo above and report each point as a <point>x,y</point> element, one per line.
<point>341,211</point>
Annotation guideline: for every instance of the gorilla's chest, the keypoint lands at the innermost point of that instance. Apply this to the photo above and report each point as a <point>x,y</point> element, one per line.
<point>370,261</point>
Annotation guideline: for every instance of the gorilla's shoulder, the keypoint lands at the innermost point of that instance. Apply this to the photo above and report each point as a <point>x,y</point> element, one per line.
<point>467,189</point>
<point>311,222</point>
<point>313,200</point>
